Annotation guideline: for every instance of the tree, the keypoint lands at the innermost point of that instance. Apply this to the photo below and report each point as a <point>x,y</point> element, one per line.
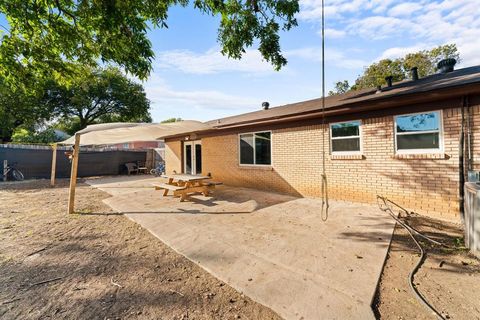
<point>170,120</point>
<point>340,87</point>
<point>375,74</point>
<point>20,106</point>
<point>425,60</point>
<point>46,36</point>
<point>97,96</point>
<point>46,136</point>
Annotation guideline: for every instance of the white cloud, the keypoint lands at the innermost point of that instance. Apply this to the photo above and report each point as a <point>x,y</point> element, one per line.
<point>469,53</point>
<point>380,6</point>
<point>312,10</point>
<point>332,56</point>
<point>429,23</point>
<point>405,9</point>
<point>334,9</point>
<point>397,52</point>
<point>381,27</point>
<point>333,33</point>
<point>212,62</point>
<point>162,95</point>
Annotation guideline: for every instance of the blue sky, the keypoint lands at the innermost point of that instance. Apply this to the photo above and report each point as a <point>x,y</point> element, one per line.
<point>192,80</point>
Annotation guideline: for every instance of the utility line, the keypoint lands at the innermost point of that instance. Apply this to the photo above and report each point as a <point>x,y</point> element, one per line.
<point>324,190</point>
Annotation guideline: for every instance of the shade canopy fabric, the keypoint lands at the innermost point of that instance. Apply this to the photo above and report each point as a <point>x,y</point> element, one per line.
<point>112,133</point>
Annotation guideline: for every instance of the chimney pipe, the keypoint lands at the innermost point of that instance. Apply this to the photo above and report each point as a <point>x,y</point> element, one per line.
<point>389,81</point>
<point>414,71</point>
<point>265,105</point>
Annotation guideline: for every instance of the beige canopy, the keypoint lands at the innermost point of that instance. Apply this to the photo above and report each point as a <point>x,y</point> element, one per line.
<point>112,133</point>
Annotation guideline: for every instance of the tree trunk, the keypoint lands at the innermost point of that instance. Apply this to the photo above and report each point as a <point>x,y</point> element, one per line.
<point>83,123</point>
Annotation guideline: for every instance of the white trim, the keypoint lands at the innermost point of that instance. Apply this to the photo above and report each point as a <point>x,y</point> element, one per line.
<point>347,153</point>
<point>417,132</point>
<point>438,150</point>
<point>192,143</point>
<point>254,151</point>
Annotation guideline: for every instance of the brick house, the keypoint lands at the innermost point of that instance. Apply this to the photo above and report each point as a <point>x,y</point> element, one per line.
<point>401,141</point>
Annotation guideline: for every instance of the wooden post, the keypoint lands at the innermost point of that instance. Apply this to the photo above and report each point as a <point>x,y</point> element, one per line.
<point>54,164</point>
<point>73,174</point>
<point>5,165</point>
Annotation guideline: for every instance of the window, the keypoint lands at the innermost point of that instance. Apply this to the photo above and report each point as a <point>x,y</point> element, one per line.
<point>345,137</point>
<point>255,148</point>
<point>418,133</point>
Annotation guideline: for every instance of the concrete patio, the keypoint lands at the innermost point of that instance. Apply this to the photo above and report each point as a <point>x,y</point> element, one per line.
<point>274,248</point>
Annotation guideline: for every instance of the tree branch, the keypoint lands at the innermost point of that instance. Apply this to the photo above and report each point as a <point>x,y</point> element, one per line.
<point>68,13</point>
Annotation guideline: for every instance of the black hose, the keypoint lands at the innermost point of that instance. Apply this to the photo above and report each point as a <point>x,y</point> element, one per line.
<point>411,231</point>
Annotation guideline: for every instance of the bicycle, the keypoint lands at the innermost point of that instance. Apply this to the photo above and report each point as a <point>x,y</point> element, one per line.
<point>13,172</point>
<point>159,170</point>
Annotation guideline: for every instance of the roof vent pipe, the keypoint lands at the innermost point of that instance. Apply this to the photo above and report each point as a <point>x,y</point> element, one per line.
<point>389,81</point>
<point>446,65</point>
<point>265,105</point>
<point>414,72</point>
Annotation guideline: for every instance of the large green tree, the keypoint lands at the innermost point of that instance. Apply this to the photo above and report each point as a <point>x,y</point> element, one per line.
<point>97,96</point>
<point>340,87</point>
<point>374,75</point>
<point>46,36</point>
<point>170,120</point>
<point>20,106</point>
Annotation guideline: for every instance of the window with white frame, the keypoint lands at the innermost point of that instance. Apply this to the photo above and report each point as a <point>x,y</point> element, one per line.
<point>346,137</point>
<point>419,132</point>
<point>255,148</point>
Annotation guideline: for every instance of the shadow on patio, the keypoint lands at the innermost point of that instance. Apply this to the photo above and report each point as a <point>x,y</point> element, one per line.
<point>276,241</point>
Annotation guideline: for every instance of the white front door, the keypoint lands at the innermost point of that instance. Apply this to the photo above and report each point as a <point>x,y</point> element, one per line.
<point>192,157</point>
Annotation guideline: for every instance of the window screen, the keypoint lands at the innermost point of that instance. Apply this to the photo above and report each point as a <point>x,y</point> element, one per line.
<point>255,148</point>
<point>246,149</point>
<point>345,137</point>
<point>418,132</point>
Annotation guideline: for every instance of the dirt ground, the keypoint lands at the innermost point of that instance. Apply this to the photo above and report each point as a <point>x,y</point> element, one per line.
<point>98,265</point>
<point>448,279</point>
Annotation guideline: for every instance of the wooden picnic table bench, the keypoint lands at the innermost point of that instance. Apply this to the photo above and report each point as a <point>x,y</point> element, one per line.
<point>184,184</point>
<point>167,187</point>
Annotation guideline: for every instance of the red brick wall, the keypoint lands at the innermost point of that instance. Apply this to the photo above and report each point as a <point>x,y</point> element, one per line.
<point>427,184</point>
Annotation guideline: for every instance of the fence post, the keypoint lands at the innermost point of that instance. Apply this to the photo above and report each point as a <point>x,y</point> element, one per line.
<point>5,165</point>
<point>73,174</point>
<point>54,164</point>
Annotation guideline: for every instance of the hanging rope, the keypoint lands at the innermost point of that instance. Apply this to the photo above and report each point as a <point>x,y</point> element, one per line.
<point>325,204</point>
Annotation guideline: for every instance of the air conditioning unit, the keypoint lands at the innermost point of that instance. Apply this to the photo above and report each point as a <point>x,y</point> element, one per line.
<point>472,217</point>
<point>473,176</point>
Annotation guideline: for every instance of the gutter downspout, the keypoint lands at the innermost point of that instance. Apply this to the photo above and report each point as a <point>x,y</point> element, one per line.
<point>469,135</point>
<point>461,164</point>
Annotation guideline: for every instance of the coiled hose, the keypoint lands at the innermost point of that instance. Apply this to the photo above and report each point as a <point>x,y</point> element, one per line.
<point>384,205</point>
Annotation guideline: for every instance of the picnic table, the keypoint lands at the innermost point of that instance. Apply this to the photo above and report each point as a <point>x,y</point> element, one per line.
<point>184,184</point>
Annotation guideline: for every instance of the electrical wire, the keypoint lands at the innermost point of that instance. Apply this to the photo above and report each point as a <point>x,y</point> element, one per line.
<point>411,231</point>
<point>324,190</point>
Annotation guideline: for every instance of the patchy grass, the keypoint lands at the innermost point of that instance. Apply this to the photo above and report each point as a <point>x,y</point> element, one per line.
<point>98,264</point>
<point>448,279</point>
